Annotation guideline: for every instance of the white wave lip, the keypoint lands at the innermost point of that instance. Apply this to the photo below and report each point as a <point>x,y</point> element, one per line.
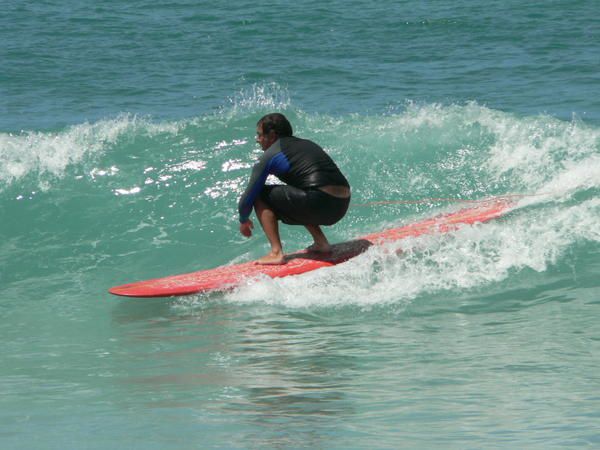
<point>49,154</point>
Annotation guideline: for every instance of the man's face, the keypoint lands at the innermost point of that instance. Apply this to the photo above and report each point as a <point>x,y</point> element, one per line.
<point>265,140</point>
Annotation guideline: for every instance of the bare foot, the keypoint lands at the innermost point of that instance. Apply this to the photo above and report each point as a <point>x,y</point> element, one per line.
<point>272,259</point>
<point>319,248</point>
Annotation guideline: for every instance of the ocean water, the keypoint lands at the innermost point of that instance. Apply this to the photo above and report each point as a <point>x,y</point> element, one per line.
<point>126,137</point>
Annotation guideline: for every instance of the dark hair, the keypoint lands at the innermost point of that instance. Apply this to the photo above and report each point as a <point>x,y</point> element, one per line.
<point>276,122</point>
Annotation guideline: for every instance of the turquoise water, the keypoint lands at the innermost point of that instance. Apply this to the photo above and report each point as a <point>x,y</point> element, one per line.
<point>126,137</point>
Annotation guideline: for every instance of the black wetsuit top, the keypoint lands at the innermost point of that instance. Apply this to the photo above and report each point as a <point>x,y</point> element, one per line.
<point>297,162</point>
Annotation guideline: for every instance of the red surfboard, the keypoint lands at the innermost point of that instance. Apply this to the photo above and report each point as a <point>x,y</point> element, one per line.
<point>227,277</point>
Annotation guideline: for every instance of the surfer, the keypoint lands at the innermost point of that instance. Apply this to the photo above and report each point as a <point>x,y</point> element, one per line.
<point>316,193</point>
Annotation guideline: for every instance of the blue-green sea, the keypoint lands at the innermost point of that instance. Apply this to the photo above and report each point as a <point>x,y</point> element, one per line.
<point>127,136</point>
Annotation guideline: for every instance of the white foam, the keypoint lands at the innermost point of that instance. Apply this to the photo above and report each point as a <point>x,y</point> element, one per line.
<point>538,151</point>
<point>48,154</point>
<point>133,190</point>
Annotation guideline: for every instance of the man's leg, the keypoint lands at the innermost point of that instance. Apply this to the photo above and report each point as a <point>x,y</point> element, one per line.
<point>321,243</point>
<point>270,226</point>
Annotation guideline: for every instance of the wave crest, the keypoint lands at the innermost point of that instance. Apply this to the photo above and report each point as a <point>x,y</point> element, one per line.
<point>48,154</point>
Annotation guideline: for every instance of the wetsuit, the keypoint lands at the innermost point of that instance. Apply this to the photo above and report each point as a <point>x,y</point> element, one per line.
<point>304,167</point>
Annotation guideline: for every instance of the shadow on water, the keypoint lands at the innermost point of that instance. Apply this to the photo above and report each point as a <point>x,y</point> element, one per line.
<point>140,309</point>
<point>297,368</point>
<point>132,309</point>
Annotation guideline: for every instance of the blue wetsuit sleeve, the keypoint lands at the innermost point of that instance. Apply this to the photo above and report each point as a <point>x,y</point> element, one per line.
<point>270,163</point>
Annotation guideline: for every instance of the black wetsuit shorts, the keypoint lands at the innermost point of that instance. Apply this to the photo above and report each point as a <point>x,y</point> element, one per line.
<point>310,206</point>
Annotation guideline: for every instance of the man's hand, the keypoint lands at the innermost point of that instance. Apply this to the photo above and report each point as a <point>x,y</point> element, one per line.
<point>246,228</point>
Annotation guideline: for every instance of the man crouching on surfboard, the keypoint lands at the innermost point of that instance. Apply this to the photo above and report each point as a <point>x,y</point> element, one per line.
<point>316,192</point>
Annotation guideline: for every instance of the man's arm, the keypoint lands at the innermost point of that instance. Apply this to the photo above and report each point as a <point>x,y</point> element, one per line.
<point>259,175</point>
